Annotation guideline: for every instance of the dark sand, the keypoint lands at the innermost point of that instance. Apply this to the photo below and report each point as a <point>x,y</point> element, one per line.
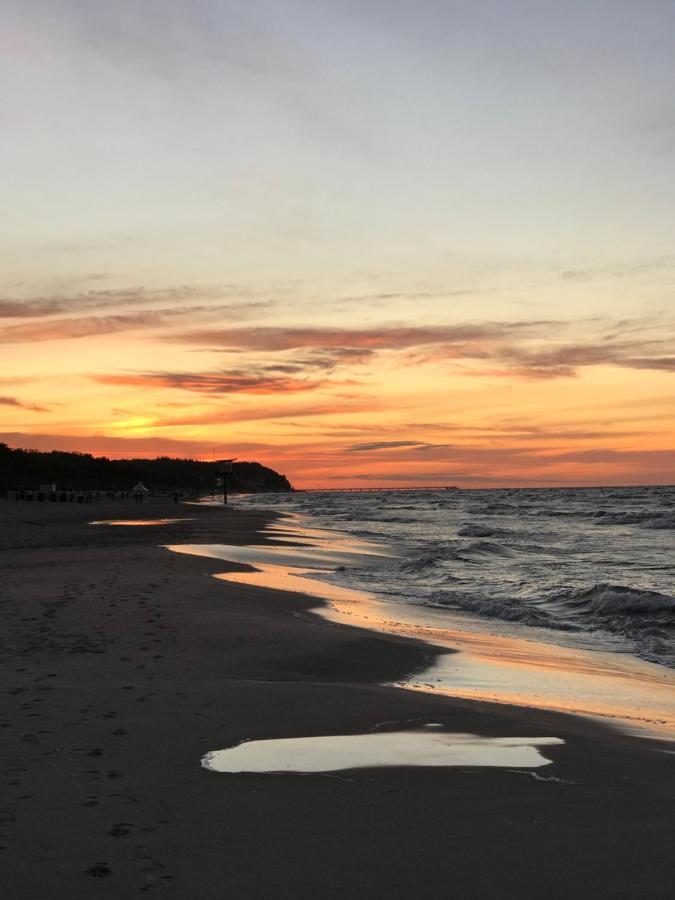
<point>122,664</point>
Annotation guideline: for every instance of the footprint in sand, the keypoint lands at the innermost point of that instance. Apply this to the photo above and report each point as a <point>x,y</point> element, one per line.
<point>100,870</point>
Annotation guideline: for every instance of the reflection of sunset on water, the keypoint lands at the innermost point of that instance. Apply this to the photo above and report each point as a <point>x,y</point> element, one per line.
<point>139,522</point>
<point>496,661</point>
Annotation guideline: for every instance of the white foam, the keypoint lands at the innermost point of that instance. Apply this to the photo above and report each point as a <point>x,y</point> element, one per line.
<point>423,747</point>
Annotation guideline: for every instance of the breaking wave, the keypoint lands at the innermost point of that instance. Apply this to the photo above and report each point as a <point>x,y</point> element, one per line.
<point>510,610</point>
<point>646,518</point>
<point>618,605</point>
<point>615,609</point>
<point>595,562</point>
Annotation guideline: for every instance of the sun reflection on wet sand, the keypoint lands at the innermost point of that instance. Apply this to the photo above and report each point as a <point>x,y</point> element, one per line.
<point>139,521</point>
<point>495,661</point>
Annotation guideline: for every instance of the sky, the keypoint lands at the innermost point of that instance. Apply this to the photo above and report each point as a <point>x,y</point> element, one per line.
<point>365,243</point>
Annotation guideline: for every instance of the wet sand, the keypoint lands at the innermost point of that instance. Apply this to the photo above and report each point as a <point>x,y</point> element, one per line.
<point>123,664</point>
<point>490,661</point>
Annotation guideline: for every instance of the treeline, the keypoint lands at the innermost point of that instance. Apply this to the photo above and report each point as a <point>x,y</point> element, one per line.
<point>28,469</point>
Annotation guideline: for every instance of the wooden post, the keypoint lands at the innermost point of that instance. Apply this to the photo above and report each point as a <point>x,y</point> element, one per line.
<point>225,468</point>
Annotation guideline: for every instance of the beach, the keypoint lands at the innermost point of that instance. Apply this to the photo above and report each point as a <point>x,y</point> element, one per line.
<point>125,663</point>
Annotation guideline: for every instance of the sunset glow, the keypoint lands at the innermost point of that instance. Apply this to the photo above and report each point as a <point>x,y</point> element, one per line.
<point>356,244</point>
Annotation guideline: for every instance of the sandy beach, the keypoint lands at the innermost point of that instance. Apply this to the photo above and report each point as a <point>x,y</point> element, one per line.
<point>124,663</point>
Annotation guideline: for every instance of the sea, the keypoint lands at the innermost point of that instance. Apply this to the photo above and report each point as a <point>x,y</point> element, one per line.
<point>591,567</point>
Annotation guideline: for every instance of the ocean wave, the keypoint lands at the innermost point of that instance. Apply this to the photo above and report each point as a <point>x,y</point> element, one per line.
<point>645,617</point>
<point>617,604</point>
<point>659,519</point>
<point>422,563</point>
<point>487,548</point>
<point>661,523</point>
<point>496,508</point>
<point>571,511</point>
<point>401,520</point>
<point>567,559</point>
<point>458,551</point>
<point>510,610</point>
<point>480,531</point>
<point>631,517</point>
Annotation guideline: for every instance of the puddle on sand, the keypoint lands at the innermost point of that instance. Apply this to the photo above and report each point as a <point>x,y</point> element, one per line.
<point>421,747</point>
<point>138,521</point>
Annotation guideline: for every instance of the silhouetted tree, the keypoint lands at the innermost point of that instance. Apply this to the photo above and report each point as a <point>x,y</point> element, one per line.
<point>25,469</point>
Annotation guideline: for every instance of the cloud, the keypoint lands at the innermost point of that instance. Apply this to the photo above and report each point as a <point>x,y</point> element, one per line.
<point>606,455</point>
<point>532,435</point>
<point>92,326</point>
<point>322,360</point>
<point>86,326</point>
<point>620,270</point>
<point>386,337</point>
<point>56,304</point>
<point>388,445</point>
<point>530,350</point>
<point>13,401</point>
<point>384,298</point>
<point>561,360</point>
<point>566,360</point>
<point>226,415</point>
<point>226,381</point>
<point>657,363</point>
<point>330,358</point>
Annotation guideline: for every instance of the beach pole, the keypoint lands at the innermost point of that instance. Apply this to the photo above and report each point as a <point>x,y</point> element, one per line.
<point>225,468</point>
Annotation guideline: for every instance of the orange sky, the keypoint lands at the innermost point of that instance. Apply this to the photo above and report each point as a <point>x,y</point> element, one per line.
<point>442,398</point>
<point>359,244</point>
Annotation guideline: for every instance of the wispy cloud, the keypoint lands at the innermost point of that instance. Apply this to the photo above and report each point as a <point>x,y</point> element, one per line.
<point>85,326</point>
<point>658,363</point>
<point>56,304</point>
<point>548,359</point>
<point>283,410</point>
<point>531,435</point>
<point>223,382</point>
<point>13,401</point>
<point>387,445</point>
<point>646,266</point>
<point>566,360</point>
<point>92,326</point>
<point>386,337</point>
<point>530,350</point>
<point>603,455</point>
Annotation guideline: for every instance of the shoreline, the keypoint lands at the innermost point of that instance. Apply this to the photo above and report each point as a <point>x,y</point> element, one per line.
<point>124,665</point>
<point>477,660</point>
